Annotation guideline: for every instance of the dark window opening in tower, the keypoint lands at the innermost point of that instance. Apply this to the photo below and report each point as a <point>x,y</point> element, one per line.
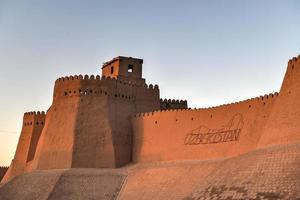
<point>130,68</point>
<point>112,70</point>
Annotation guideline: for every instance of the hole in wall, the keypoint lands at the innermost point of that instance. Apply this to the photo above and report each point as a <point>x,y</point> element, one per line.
<point>130,68</point>
<point>112,70</point>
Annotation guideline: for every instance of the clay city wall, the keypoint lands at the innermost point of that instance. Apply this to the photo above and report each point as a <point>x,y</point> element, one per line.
<point>89,125</point>
<point>221,131</point>
<point>33,124</point>
<point>188,134</point>
<point>283,125</point>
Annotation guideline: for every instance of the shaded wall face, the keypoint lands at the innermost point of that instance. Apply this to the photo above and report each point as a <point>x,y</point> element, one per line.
<point>38,126</point>
<point>93,135</point>
<point>120,115</point>
<point>200,134</point>
<point>3,171</point>
<point>131,68</point>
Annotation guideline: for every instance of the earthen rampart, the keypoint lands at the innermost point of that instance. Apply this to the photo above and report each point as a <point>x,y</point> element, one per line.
<point>207,133</point>
<point>89,124</point>
<point>283,125</point>
<point>33,124</point>
<point>97,122</point>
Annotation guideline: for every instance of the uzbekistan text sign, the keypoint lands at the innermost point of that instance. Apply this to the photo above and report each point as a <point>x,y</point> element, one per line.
<point>228,133</point>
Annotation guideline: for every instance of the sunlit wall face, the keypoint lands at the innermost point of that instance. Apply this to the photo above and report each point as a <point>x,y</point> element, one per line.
<point>208,52</point>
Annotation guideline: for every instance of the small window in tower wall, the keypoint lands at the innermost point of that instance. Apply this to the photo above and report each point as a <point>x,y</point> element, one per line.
<point>112,70</point>
<point>130,68</point>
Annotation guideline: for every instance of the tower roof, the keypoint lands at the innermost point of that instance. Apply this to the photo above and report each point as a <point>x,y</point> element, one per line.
<point>120,58</point>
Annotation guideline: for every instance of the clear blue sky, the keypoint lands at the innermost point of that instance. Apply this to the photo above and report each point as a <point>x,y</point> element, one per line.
<point>208,52</point>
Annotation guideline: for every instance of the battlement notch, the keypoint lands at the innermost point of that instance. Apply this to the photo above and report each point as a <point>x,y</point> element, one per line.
<point>36,118</point>
<point>169,104</point>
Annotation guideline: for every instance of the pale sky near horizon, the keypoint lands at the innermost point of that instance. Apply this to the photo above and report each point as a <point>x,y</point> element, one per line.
<point>208,52</point>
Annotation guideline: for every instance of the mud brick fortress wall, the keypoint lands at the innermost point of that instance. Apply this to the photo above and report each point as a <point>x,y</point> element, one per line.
<point>116,119</point>
<point>222,131</point>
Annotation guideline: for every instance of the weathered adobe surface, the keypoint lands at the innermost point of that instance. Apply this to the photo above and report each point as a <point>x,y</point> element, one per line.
<point>89,122</point>
<point>33,124</point>
<point>237,137</point>
<point>222,131</point>
<point>97,132</point>
<point>87,126</point>
<point>269,173</point>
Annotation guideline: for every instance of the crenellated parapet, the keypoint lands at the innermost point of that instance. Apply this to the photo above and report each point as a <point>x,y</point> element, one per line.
<point>251,102</point>
<point>290,81</point>
<point>293,65</point>
<point>168,104</point>
<point>87,86</point>
<point>294,61</point>
<point>34,119</point>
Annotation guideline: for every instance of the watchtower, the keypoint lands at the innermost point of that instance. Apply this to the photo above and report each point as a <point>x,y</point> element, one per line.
<point>126,68</point>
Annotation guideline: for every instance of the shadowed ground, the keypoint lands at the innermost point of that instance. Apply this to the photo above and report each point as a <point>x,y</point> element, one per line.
<point>270,173</point>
